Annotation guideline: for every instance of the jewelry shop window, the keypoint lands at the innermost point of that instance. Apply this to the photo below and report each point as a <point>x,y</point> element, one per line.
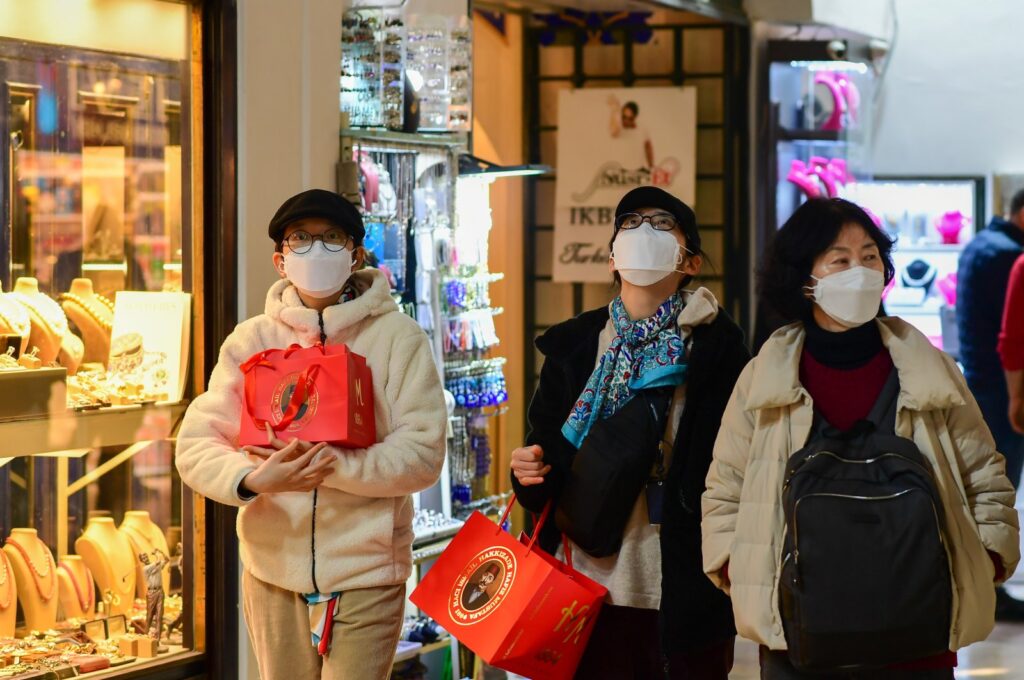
<point>96,111</point>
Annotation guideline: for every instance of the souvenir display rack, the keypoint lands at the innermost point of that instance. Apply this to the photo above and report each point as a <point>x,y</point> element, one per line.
<point>407,71</point>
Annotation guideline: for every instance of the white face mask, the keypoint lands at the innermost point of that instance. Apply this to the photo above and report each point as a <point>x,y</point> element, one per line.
<point>318,273</point>
<point>644,256</point>
<point>850,297</point>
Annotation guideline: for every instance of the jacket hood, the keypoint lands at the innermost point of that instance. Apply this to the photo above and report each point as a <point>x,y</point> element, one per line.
<point>284,305</point>
<point>925,379</point>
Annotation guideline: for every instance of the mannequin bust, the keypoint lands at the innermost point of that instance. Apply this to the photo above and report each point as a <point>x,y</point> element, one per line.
<point>48,321</point>
<point>33,567</point>
<point>8,597</point>
<point>109,556</point>
<point>71,352</point>
<point>14,319</point>
<point>145,537</point>
<point>93,315</point>
<point>77,588</point>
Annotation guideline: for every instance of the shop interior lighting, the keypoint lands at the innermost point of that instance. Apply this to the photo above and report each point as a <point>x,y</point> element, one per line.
<point>470,165</point>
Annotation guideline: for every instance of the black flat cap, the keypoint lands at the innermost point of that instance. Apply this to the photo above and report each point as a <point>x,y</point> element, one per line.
<point>320,203</point>
<point>653,197</point>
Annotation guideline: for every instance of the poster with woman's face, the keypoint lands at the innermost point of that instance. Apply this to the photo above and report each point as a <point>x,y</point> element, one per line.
<point>482,585</point>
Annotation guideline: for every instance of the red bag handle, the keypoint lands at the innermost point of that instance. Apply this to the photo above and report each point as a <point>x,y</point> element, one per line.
<point>303,387</point>
<point>538,525</point>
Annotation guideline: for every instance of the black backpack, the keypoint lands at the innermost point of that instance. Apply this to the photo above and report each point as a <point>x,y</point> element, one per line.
<point>865,579</point>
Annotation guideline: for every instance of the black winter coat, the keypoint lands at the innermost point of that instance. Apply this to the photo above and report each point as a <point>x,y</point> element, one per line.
<point>694,612</point>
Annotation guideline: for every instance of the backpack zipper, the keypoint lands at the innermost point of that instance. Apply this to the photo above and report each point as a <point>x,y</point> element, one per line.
<point>852,462</point>
<point>796,512</point>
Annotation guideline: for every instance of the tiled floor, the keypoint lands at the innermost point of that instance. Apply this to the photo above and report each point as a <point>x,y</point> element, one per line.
<point>1001,656</point>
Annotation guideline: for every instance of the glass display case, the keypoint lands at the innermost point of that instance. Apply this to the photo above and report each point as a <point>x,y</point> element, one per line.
<point>408,68</point>
<point>101,544</point>
<point>818,124</point>
<point>931,219</point>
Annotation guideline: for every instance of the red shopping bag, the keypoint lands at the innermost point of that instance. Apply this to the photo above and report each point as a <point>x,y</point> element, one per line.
<point>514,605</point>
<point>317,394</point>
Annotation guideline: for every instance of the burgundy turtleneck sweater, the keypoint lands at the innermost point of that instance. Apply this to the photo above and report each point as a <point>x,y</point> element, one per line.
<point>844,373</point>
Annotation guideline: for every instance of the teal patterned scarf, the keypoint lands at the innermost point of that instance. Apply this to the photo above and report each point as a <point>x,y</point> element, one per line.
<point>643,354</point>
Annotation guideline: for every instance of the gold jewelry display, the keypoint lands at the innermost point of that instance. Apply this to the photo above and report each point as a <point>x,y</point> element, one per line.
<point>146,537</point>
<point>97,312</point>
<point>8,362</point>
<point>111,560</point>
<point>49,324</point>
<point>6,579</point>
<point>38,574</point>
<point>88,599</point>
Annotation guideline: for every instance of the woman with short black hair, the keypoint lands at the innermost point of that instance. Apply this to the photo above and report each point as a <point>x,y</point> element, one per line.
<point>635,391</point>
<point>839,374</point>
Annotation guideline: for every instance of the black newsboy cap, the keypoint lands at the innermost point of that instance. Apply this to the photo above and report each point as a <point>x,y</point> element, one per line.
<point>653,197</point>
<point>318,203</point>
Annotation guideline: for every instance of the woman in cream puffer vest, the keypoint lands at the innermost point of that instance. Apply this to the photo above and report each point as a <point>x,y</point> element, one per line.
<point>771,416</point>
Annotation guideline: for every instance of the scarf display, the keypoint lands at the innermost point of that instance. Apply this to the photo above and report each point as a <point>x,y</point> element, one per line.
<point>643,354</point>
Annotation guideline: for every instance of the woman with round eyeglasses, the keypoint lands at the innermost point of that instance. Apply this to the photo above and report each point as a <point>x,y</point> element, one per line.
<point>856,510</point>
<point>634,391</point>
<point>325,533</point>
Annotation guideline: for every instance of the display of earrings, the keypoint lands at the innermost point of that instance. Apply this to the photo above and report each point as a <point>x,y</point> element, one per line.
<point>372,73</point>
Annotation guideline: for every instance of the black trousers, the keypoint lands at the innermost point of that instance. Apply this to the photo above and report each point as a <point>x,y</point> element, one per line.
<point>625,645</point>
<point>776,666</point>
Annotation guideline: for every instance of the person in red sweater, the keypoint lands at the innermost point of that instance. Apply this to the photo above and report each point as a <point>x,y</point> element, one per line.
<point>825,272</point>
<point>1011,344</point>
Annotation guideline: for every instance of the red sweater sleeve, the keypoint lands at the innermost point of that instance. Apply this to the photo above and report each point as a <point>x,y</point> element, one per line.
<point>1011,338</point>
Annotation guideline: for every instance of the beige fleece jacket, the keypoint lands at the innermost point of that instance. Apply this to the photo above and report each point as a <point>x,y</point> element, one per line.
<point>363,518</point>
<point>769,418</point>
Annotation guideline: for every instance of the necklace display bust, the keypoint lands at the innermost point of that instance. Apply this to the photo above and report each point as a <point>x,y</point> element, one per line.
<point>77,588</point>
<point>49,325</point>
<point>109,556</point>
<point>8,597</point>
<point>145,536</point>
<point>33,568</point>
<point>14,319</point>
<point>93,315</point>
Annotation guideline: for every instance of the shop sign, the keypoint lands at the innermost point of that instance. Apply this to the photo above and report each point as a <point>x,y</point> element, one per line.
<point>609,142</point>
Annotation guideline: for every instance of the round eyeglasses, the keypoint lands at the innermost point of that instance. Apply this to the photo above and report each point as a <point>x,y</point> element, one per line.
<point>660,221</point>
<point>300,242</point>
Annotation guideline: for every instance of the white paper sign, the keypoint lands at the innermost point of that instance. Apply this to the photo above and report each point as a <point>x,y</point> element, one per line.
<point>150,340</point>
<point>609,142</point>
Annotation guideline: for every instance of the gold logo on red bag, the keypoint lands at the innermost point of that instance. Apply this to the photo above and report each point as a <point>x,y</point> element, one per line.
<point>359,392</point>
<point>282,397</point>
<point>482,585</point>
<point>575,622</point>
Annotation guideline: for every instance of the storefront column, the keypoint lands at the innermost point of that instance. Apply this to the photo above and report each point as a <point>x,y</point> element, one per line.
<point>289,57</point>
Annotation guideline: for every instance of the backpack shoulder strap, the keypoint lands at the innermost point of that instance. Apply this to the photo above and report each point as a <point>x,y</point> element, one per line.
<point>883,413</point>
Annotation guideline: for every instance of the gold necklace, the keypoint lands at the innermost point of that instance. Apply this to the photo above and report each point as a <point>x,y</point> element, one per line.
<point>140,537</point>
<point>37,574</point>
<point>21,328</point>
<point>90,309</point>
<point>10,588</point>
<point>57,323</point>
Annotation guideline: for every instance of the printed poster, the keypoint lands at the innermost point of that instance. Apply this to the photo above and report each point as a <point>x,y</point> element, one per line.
<point>609,142</point>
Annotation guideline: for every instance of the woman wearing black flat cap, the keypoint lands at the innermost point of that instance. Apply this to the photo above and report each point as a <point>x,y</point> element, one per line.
<point>621,431</point>
<point>325,533</point>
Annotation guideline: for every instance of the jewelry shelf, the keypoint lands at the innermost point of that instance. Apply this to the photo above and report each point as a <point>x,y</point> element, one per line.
<point>441,140</point>
<point>72,432</point>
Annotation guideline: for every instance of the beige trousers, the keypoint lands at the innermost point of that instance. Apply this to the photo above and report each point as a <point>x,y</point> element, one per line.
<point>366,630</point>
